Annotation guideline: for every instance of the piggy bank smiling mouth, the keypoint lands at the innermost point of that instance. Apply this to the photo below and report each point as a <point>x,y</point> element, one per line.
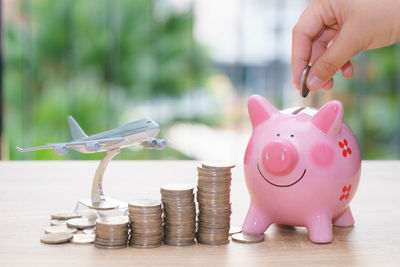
<point>278,185</point>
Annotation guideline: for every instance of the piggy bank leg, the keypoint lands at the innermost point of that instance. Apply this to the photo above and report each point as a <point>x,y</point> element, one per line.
<point>257,221</point>
<point>344,219</point>
<point>320,228</point>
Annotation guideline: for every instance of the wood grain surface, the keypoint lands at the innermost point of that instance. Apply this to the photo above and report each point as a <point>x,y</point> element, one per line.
<point>31,190</point>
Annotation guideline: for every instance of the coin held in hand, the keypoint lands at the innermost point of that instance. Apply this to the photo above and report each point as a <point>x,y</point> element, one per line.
<point>303,82</point>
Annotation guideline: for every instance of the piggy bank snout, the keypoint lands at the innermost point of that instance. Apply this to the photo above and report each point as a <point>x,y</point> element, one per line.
<point>279,157</point>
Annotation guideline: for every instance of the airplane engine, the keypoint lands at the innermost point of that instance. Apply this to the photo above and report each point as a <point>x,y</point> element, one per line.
<point>92,146</point>
<point>152,143</point>
<point>161,144</point>
<point>61,149</point>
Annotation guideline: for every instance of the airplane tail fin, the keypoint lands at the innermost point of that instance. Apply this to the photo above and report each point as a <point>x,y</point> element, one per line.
<point>76,130</point>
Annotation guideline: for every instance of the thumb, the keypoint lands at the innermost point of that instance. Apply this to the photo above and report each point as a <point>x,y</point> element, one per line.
<point>343,48</point>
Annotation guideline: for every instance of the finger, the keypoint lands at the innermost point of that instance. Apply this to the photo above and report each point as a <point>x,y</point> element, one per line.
<point>309,26</point>
<point>321,43</point>
<point>347,70</point>
<point>342,50</point>
<point>328,85</point>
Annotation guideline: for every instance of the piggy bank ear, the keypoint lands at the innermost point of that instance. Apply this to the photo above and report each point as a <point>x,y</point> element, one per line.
<point>260,109</point>
<point>329,118</point>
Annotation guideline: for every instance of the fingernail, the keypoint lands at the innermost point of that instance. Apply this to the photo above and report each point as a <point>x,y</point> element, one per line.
<point>328,85</point>
<point>347,72</point>
<point>314,83</point>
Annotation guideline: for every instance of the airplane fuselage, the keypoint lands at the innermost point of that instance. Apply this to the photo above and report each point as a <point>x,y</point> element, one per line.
<point>133,132</point>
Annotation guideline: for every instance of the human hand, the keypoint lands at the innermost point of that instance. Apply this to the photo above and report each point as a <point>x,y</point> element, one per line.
<point>352,26</point>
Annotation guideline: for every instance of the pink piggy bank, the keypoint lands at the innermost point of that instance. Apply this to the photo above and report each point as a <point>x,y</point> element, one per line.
<point>302,168</point>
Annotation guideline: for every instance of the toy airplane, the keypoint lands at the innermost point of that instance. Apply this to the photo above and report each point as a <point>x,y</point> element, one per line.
<point>141,131</point>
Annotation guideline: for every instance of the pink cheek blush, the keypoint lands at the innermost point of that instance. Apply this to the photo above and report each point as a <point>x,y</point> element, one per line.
<point>322,154</point>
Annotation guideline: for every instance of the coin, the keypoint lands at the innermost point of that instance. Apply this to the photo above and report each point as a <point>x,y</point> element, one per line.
<point>303,82</point>
<point>145,223</point>
<point>179,214</point>
<point>145,246</point>
<point>213,172</point>
<point>178,243</point>
<point>113,221</point>
<point>56,238</point>
<point>234,230</point>
<point>146,203</point>
<point>89,231</point>
<point>80,223</point>
<point>217,164</point>
<point>59,229</point>
<point>82,239</point>
<point>213,199</point>
<point>177,189</point>
<point>56,222</point>
<point>64,215</point>
<point>110,246</point>
<point>248,238</point>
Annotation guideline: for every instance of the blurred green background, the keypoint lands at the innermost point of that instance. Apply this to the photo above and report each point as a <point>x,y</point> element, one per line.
<point>110,62</point>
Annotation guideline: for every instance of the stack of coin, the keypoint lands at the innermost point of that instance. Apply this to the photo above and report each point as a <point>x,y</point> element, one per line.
<point>111,232</point>
<point>179,214</point>
<point>145,223</point>
<point>213,196</point>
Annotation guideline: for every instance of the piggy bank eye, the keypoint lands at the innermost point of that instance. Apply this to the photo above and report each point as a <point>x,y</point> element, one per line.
<point>291,135</point>
<point>278,134</point>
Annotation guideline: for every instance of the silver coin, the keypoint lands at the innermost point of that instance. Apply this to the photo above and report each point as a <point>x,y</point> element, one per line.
<point>56,238</point>
<point>113,221</point>
<point>235,230</point>
<point>56,222</point>
<point>248,238</point>
<point>64,215</point>
<point>82,239</point>
<point>303,82</point>
<point>80,223</point>
<point>89,231</point>
<point>59,229</point>
<point>217,164</point>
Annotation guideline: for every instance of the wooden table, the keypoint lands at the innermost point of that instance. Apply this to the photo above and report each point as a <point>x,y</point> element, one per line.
<point>30,191</point>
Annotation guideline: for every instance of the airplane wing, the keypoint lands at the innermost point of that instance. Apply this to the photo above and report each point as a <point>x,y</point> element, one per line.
<point>104,141</point>
<point>62,148</point>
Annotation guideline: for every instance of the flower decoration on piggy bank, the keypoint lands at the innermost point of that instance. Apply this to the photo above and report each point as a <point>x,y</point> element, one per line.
<point>302,168</point>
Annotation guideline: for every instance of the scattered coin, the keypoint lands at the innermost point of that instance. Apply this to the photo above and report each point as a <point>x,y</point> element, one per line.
<point>179,214</point>
<point>89,231</point>
<point>90,214</point>
<point>213,198</point>
<point>56,238</point>
<point>80,223</point>
<point>59,229</point>
<point>234,230</point>
<point>64,215</point>
<point>248,238</point>
<point>57,222</point>
<point>304,91</point>
<point>82,239</point>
